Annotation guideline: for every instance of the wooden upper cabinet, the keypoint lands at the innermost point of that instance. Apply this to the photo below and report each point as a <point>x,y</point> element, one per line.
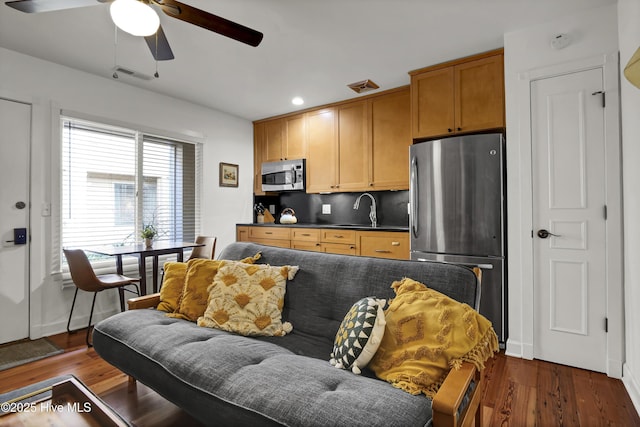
<point>460,96</point>
<point>479,89</point>
<point>321,150</point>
<point>284,139</point>
<point>295,137</point>
<point>258,137</point>
<point>273,140</point>
<point>353,146</point>
<point>390,140</point>
<point>432,103</point>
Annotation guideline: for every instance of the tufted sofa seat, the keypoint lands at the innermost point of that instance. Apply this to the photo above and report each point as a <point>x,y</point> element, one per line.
<point>225,379</point>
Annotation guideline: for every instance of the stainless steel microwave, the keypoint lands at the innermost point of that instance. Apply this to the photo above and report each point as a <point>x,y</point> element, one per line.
<point>288,175</point>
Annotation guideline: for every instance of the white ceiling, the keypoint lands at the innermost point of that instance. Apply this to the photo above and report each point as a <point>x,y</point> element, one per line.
<point>311,48</point>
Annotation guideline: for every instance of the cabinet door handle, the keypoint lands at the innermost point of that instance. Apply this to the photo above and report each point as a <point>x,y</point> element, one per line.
<point>459,129</point>
<point>382,251</point>
<point>449,130</point>
<point>395,243</point>
<point>268,232</point>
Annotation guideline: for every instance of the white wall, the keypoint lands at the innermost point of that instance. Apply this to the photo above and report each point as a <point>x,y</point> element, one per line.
<point>629,39</point>
<point>49,88</point>
<point>527,53</point>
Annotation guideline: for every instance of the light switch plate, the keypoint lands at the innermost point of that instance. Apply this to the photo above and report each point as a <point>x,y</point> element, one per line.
<point>326,209</point>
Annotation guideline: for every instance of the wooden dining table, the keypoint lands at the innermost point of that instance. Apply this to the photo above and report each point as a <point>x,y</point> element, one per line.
<point>142,252</point>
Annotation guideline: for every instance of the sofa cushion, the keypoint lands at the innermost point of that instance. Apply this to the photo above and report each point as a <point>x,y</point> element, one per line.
<point>198,278</point>
<point>359,335</point>
<point>427,334</point>
<point>248,299</point>
<point>225,379</point>
<point>172,285</point>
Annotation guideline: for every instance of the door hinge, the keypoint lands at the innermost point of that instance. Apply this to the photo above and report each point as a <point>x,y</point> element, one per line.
<point>605,212</point>
<point>606,324</point>
<point>600,92</point>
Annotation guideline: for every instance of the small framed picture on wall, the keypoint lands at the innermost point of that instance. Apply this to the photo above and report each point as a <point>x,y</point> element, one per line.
<point>228,175</point>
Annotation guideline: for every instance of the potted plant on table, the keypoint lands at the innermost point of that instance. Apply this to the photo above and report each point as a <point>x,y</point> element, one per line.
<point>148,233</point>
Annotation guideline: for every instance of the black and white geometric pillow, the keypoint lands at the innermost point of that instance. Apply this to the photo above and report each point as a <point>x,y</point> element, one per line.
<point>359,335</point>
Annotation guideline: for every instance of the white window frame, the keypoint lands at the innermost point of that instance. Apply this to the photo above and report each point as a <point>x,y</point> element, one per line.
<point>130,264</point>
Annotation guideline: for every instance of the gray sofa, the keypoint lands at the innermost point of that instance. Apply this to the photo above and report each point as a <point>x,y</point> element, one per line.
<point>225,379</point>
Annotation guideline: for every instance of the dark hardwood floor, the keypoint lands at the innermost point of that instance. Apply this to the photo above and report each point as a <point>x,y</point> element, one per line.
<point>519,392</point>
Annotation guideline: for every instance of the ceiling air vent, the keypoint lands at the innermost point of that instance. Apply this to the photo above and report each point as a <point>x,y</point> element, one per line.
<point>363,86</point>
<point>121,71</point>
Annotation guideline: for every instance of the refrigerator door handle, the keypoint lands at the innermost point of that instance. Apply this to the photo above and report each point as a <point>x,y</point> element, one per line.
<point>413,192</point>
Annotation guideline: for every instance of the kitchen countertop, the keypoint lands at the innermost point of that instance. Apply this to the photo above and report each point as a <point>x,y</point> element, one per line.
<point>360,227</point>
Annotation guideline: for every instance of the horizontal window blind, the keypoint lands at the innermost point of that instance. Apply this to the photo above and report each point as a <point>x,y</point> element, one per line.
<point>115,181</point>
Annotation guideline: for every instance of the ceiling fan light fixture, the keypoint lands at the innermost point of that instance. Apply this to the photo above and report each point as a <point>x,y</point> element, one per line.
<point>134,17</point>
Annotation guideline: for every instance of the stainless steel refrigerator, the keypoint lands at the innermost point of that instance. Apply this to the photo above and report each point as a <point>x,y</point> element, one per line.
<point>457,211</point>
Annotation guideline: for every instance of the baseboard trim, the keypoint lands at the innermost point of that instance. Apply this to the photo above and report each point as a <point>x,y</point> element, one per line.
<point>519,349</point>
<point>78,322</point>
<point>632,385</point>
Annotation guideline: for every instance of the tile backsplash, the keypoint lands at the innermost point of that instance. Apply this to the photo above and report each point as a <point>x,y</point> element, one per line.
<point>391,207</point>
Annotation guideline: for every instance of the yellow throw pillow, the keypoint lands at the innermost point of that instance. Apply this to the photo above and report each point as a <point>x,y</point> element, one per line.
<point>248,299</point>
<point>427,334</point>
<point>199,276</point>
<point>172,286</point>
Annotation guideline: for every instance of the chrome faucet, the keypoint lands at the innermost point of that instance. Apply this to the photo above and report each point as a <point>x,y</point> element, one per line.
<point>372,214</point>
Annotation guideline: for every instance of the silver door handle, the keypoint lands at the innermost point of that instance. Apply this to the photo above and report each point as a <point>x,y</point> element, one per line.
<point>543,234</point>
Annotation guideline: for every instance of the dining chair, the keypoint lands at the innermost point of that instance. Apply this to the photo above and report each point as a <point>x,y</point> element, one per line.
<point>85,278</point>
<point>207,251</point>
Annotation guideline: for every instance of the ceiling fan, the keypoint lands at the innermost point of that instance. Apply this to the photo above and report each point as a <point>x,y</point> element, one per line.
<point>156,40</point>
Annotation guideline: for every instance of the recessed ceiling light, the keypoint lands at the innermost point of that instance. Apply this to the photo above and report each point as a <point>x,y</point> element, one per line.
<point>297,101</point>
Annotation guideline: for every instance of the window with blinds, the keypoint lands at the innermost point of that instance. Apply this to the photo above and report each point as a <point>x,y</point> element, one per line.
<point>115,181</point>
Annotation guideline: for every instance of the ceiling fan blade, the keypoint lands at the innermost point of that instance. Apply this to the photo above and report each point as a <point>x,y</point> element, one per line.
<point>210,22</point>
<point>160,51</point>
<point>36,6</point>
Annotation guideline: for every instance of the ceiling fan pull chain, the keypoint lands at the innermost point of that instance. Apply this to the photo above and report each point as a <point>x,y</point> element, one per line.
<point>115,52</point>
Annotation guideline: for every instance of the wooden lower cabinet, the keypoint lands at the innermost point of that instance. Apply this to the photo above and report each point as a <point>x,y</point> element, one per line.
<point>339,248</point>
<point>383,244</point>
<point>273,242</point>
<point>271,233</point>
<point>242,233</point>
<point>270,236</point>
<point>380,244</point>
<point>307,246</point>
<point>306,239</point>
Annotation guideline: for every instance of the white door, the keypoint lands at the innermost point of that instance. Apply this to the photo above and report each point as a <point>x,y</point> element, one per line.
<point>15,140</point>
<point>569,211</point>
